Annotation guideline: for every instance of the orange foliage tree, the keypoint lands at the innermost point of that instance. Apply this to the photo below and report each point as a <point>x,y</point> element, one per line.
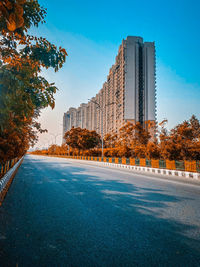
<point>23,91</point>
<point>180,143</point>
<point>82,139</point>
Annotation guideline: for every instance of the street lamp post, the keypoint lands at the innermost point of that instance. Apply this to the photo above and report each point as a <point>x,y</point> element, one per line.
<point>48,142</point>
<point>102,133</point>
<point>101,108</point>
<point>55,136</point>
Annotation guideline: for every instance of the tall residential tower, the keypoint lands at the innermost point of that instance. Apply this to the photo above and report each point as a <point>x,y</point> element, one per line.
<point>129,94</point>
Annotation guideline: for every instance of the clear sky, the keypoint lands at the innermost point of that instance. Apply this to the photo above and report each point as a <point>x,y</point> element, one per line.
<point>91,32</point>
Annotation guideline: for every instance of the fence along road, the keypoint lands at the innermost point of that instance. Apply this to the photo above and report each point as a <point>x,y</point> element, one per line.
<point>63,213</point>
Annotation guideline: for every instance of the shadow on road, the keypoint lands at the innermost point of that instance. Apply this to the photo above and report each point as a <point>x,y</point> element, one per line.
<point>82,216</point>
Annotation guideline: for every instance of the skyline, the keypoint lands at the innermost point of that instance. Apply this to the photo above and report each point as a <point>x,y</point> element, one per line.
<point>128,94</point>
<point>91,54</point>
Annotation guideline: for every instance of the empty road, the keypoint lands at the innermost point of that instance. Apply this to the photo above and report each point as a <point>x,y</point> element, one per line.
<point>59,212</point>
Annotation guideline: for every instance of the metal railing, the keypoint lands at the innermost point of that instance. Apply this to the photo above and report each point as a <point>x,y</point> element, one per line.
<point>5,167</point>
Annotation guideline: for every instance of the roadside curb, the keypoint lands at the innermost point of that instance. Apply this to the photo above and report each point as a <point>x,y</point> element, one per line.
<point>7,179</point>
<point>164,172</point>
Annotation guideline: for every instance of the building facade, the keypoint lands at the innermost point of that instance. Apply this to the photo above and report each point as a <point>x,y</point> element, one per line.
<point>129,94</point>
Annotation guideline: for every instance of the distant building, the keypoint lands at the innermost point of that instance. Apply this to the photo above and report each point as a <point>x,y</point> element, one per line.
<point>129,94</point>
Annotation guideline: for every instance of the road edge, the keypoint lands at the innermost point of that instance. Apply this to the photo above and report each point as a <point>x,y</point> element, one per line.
<point>124,168</point>
<point>7,179</point>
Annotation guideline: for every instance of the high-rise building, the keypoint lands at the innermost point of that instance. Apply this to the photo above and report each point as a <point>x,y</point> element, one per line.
<point>129,94</point>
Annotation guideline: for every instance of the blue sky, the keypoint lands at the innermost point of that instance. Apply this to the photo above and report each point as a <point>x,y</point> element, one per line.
<point>91,32</point>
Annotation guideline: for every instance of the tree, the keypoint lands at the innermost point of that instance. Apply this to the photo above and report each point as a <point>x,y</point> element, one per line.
<point>133,139</point>
<point>181,142</point>
<point>110,140</point>
<point>23,91</point>
<point>88,139</point>
<point>126,134</point>
<point>195,125</point>
<point>141,135</point>
<point>72,137</point>
<point>153,150</point>
<point>78,138</point>
<point>17,16</point>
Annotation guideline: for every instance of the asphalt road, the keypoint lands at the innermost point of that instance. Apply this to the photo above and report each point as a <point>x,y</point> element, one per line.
<point>63,213</point>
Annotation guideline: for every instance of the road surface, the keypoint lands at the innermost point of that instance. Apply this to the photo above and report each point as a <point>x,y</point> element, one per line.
<point>64,213</point>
